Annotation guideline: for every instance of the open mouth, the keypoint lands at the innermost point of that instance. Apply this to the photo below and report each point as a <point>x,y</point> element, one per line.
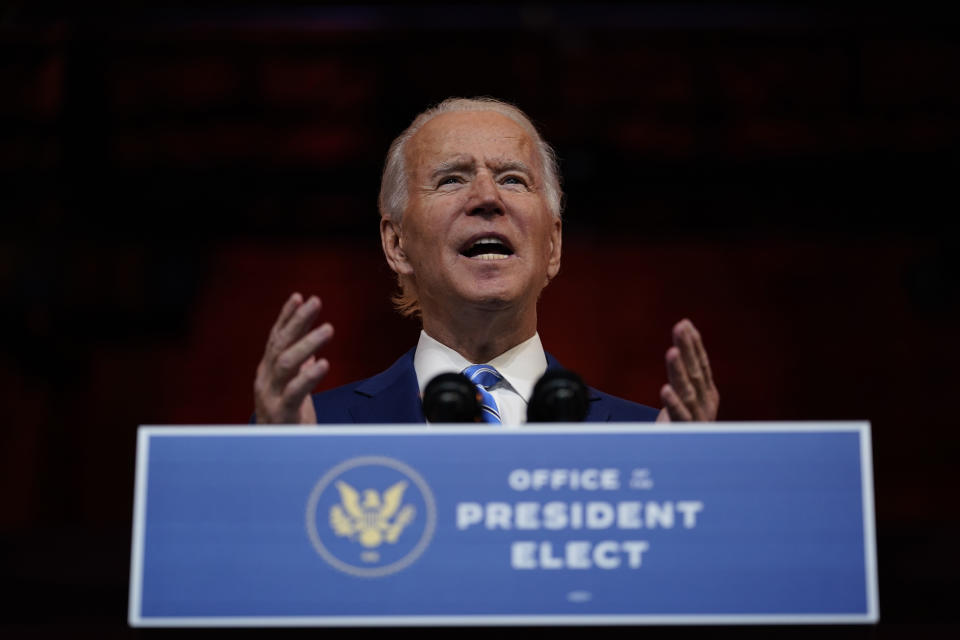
<point>487,248</point>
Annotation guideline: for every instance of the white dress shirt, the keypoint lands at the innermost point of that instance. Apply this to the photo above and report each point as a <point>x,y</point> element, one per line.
<point>520,367</point>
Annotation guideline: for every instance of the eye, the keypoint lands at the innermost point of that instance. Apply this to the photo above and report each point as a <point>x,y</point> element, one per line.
<point>449,180</point>
<point>513,179</point>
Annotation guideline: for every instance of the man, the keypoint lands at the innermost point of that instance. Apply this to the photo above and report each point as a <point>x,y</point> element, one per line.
<point>470,223</point>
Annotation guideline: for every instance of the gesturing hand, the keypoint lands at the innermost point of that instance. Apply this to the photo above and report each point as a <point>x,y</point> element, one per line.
<point>691,395</point>
<point>289,369</point>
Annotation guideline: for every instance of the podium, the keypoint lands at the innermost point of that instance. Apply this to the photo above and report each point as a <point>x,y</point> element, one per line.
<point>580,524</point>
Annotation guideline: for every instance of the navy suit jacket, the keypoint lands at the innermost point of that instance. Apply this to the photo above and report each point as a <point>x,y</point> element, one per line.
<point>394,397</point>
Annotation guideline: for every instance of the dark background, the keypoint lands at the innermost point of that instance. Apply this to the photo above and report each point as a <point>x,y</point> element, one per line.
<point>784,175</point>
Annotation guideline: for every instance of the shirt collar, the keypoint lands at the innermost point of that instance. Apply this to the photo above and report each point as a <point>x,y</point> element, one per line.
<point>520,366</point>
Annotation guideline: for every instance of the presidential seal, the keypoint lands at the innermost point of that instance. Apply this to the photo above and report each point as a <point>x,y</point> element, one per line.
<point>371,516</point>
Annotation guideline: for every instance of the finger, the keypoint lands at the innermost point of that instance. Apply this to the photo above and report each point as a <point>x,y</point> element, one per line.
<point>675,407</point>
<point>678,378</point>
<point>294,301</point>
<point>683,339</point>
<point>295,327</point>
<point>291,361</point>
<point>701,355</point>
<point>304,382</point>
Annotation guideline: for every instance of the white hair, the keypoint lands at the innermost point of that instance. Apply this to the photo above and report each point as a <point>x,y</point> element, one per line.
<point>393,184</point>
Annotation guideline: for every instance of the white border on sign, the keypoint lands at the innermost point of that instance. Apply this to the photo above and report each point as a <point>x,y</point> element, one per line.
<point>869,523</point>
<point>555,427</point>
<point>504,620</point>
<point>139,524</point>
<point>146,432</point>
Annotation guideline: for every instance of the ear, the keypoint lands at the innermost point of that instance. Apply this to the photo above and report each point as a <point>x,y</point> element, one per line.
<point>556,240</point>
<point>393,247</point>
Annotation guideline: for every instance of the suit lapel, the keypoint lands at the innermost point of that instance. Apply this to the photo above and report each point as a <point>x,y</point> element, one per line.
<point>389,397</point>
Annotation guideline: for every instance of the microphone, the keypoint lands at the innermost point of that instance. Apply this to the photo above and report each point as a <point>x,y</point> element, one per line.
<point>451,397</point>
<point>559,396</point>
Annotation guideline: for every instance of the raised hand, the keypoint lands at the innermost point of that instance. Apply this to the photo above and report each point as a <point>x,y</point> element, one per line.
<point>289,369</point>
<point>691,394</point>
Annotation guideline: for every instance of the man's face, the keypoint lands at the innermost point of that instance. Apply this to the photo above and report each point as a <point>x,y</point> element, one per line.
<point>476,230</point>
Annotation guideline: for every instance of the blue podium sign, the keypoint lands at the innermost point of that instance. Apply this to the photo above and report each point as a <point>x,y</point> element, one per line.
<point>723,523</point>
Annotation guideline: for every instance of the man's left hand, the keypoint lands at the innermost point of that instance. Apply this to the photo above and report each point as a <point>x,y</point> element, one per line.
<point>691,395</point>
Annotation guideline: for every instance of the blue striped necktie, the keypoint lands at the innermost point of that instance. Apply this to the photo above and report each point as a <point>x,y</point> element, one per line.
<point>484,377</point>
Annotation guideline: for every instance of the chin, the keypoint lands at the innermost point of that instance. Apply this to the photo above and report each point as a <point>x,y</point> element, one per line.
<point>490,298</point>
<point>489,301</point>
<point>499,293</point>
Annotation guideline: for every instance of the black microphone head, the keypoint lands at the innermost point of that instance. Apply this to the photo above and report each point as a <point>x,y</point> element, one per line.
<point>451,397</point>
<point>559,396</point>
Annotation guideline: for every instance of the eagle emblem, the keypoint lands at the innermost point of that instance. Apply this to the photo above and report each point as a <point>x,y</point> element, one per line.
<point>372,519</point>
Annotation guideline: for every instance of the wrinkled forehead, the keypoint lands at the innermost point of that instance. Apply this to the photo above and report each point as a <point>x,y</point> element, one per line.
<point>483,136</point>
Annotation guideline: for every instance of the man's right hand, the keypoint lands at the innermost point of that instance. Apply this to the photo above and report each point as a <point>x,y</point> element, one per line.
<point>289,369</point>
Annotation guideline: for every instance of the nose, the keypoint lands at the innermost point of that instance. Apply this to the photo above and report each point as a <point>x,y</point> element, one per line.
<point>485,197</point>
